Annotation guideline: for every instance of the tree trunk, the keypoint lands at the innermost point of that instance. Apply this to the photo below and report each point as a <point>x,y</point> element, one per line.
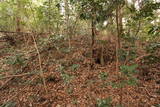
<point>120,22</point>
<point>118,46</point>
<point>93,36</point>
<point>18,19</point>
<point>118,40</point>
<point>49,17</point>
<point>67,22</point>
<point>102,56</point>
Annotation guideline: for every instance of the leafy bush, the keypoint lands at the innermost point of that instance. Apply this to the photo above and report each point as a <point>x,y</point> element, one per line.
<point>127,72</point>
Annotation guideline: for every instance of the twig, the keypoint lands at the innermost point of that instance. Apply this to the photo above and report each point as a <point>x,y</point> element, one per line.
<point>11,77</point>
<point>20,75</point>
<point>6,82</point>
<point>140,57</point>
<point>40,64</point>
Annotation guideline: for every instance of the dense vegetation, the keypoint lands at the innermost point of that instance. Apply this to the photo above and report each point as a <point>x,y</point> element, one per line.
<point>79,53</point>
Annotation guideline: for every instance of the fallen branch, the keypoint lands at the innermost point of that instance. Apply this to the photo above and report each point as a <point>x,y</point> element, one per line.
<point>5,83</point>
<point>11,77</point>
<point>141,57</point>
<point>19,75</point>
<point>22,32</point>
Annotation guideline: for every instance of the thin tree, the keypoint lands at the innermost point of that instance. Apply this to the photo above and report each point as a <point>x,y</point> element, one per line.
<point>18,18</point>
<point>67,22</point>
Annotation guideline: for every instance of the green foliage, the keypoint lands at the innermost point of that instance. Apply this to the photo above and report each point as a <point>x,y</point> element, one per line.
<point>129,54</point>
<point>157,105</point>
<point>18,59</point>
<point>154,31</point>
<point>9,104</point>
<point>70,90</point>
<point>103,75</point>
<point>151,59</point>
<point>151,48</point>
<point>141,23</point>
<point>97,10</point>
<point>65,50</point>
<point>128,70</point>
<point>66,77</point>
<point>120,84</point>
<point>75,101</point>
<point>132,81</point>
<point>33,15</point>
<point>2,76</point>
<point>102,41</point>
<point>158,91</point>
<point>57,37</point>
<point>74,67</point>
<point>148,8</point>
<point>2,70</point>
<point>60,68</point>
<point>129,38</point>
<point>47,16</point>
<point>119,105</point>
<point>127,76</point>
<point>104,102</point>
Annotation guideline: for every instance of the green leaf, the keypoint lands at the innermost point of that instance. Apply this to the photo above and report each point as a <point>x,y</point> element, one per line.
<point>103,75</point>
<point>75,67</point>
<point>132,81</point>
<point>104,102</point>
<point>133,67</point>
<point>66,77</point>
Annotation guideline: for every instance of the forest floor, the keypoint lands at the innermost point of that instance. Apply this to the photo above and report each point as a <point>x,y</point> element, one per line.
<point>72,78</point>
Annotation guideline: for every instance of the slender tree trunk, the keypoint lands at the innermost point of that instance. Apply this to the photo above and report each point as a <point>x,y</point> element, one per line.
<point>49,16</point>
<point>120,23</point>
<point>93,37</point>
<point>119,32</point>
<point>118,39</point>
<point>102,55</point>
<point>18,24</point>
<point>67,22</point>
<point>18,19</point>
